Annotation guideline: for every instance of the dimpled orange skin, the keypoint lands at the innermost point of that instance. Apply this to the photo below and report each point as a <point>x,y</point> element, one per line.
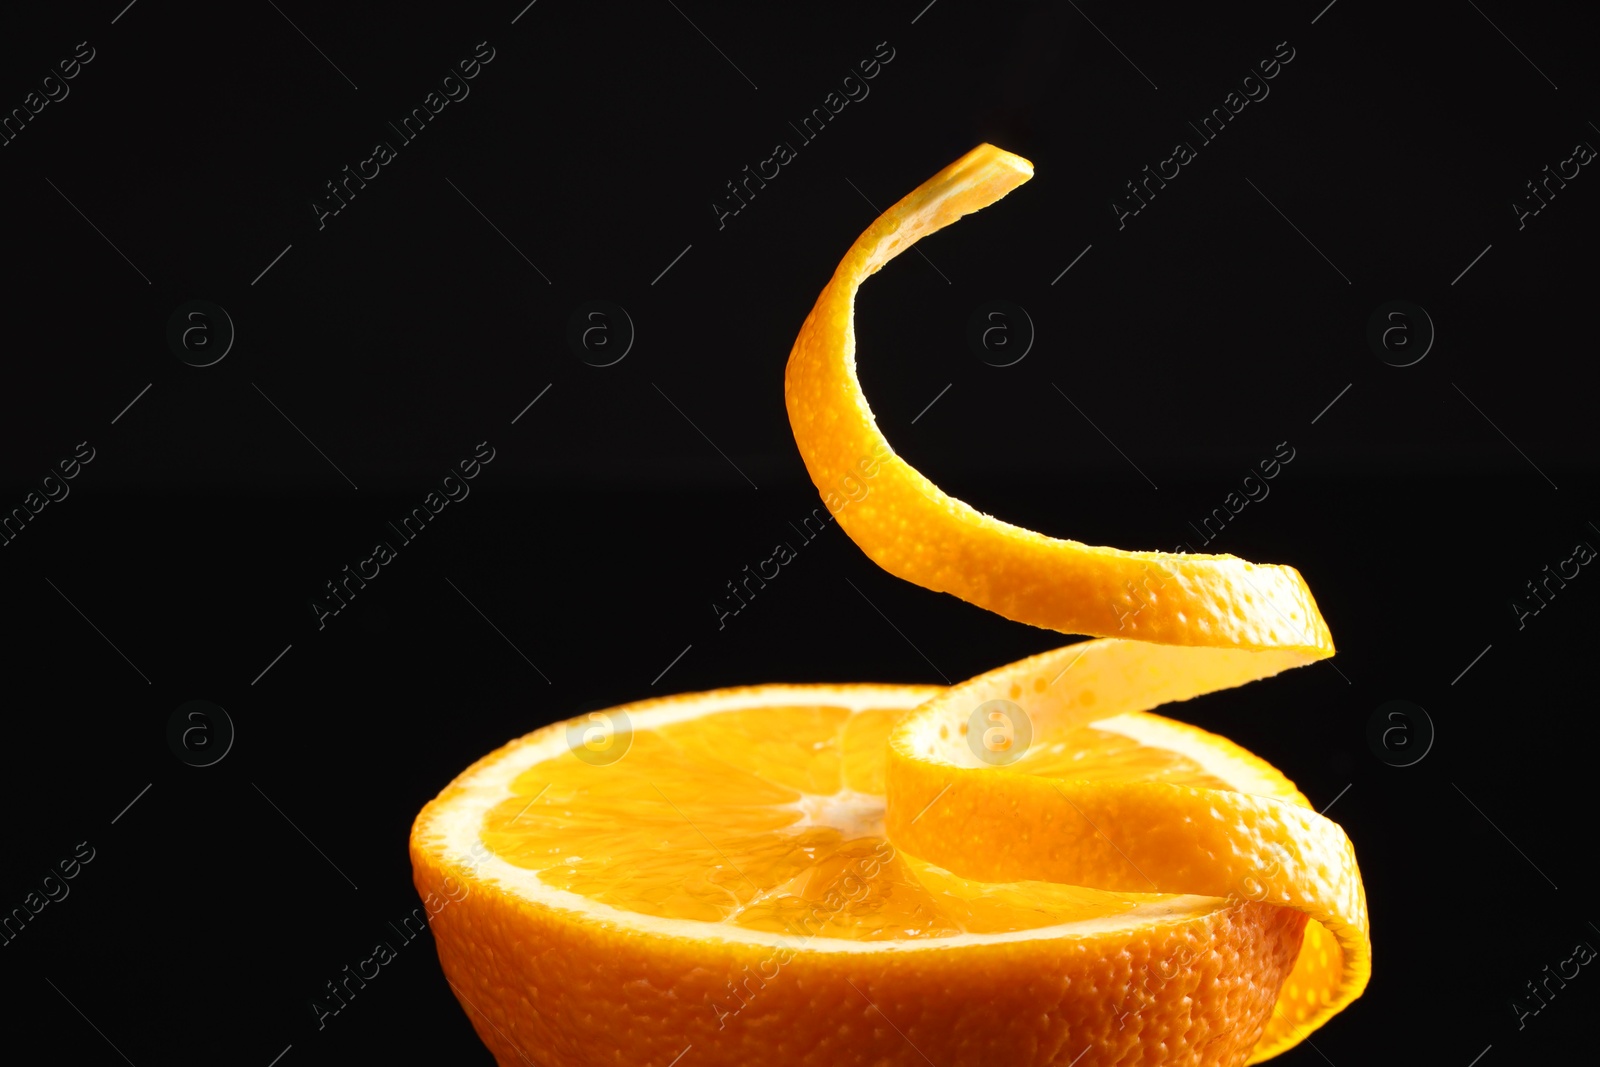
<point>912,529</point>
<point>544,987</point>
<point>995,824</point>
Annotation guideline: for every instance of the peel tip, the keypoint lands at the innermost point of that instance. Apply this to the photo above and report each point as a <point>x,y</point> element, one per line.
<point>1010,159</point>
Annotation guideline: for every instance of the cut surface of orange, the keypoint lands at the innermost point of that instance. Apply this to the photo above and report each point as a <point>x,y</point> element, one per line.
<point>727,885</point>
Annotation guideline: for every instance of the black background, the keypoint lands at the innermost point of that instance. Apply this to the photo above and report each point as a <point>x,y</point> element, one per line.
<point>1219,321</point>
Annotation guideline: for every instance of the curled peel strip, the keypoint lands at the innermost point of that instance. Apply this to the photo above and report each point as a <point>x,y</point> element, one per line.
<point>911,528</point>
<point>1203,623</point>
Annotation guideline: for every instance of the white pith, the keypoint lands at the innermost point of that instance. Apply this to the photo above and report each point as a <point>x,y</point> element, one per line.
<point>453,831</point>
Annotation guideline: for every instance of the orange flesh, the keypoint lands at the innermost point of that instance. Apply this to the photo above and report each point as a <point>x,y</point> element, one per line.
<point>791,839</point>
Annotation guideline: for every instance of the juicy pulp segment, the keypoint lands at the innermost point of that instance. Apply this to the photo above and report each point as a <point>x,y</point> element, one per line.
<point>723,820</point>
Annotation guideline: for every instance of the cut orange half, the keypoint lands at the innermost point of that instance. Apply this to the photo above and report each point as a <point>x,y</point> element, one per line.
<point>724,892</point>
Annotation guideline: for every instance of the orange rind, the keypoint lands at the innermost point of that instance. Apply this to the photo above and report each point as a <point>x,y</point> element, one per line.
<point>914,530</point>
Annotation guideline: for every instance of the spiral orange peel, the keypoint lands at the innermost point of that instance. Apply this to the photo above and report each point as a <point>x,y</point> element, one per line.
<point>1173,625</point>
